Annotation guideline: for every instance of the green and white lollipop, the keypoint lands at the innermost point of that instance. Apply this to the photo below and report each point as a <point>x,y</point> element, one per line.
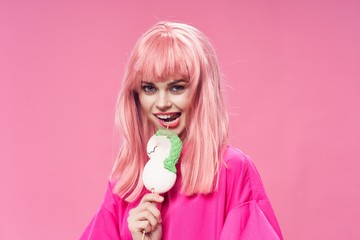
<point>164,150</point>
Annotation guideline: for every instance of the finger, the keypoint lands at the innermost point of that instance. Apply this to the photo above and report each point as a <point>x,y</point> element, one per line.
<point>152,197</point>
<point>143,216</point>
<point>140,226</point>
<point>147,207</point>
<point>147,216</point>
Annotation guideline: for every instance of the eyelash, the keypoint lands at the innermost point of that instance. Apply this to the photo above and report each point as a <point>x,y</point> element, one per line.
<point>148,88</point>
<point>174,88</point>
<point>177,88</point>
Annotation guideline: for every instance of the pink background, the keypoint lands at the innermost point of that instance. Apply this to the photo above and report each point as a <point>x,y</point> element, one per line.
<point>292,86</point>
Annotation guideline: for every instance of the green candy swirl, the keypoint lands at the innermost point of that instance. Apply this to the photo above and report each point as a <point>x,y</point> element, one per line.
<point>176,146</point>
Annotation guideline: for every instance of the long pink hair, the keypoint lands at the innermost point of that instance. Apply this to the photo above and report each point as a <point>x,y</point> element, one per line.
<point>173,49</point>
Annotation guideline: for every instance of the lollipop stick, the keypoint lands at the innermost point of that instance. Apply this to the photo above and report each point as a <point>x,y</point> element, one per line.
<point>143,236</point>
<point>143,231</point>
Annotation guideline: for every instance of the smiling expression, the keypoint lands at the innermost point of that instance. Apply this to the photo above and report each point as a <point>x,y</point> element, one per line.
<point>165,104</point>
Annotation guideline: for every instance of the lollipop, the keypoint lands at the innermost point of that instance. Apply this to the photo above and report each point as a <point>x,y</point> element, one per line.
<point>164,150</point>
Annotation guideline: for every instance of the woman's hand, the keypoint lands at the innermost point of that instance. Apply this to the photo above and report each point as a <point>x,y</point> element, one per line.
<point>146,217</point>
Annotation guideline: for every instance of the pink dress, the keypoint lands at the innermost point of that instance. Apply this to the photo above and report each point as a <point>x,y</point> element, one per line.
<point>239,209</point>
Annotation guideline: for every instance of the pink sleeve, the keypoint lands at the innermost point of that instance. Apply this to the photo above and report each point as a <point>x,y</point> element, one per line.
<point>104,224</point>
<point>251,215</point>
<point>251,220</point>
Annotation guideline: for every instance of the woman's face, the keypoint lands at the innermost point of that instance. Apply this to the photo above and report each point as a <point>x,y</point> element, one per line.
<point>166,103</point>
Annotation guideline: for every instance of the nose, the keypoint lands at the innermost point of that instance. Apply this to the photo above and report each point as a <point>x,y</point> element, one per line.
<point>163,101</point>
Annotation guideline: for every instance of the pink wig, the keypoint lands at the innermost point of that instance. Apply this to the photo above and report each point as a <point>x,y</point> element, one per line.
<point>173,49</point>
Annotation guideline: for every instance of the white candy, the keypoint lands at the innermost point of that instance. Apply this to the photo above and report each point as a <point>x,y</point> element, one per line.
<point>155,176</point>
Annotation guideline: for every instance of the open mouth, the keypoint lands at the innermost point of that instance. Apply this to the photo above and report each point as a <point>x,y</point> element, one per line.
<point>169,120</point>
<point>168,117</point>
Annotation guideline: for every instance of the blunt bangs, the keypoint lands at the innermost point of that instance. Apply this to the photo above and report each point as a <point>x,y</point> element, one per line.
<point>164,55</point>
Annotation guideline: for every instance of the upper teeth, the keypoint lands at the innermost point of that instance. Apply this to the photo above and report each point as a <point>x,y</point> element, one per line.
<point>164,116</point>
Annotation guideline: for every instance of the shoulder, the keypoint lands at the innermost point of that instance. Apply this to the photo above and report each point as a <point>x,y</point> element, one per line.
<point>114,203</point>
<point>235,160</point>
<point>113,196</point>
<point>238,162</point>
<point>110,197</point>
<point>241,173</point>
<point>236,154</point>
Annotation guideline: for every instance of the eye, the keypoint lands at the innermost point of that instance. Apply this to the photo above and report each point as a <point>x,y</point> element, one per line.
<point>177,88</point>
<point>148,88</point>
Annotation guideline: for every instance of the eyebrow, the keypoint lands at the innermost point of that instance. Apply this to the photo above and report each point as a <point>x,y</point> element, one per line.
<point>176,82</point>
<point>148,83</point>
<point>169,84</point>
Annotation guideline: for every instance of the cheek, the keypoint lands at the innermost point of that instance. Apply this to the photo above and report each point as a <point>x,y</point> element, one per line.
<point>145,102</point>
<point>184,102</point>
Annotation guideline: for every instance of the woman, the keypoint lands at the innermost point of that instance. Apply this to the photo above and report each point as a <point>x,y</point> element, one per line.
<point>173,81</point>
